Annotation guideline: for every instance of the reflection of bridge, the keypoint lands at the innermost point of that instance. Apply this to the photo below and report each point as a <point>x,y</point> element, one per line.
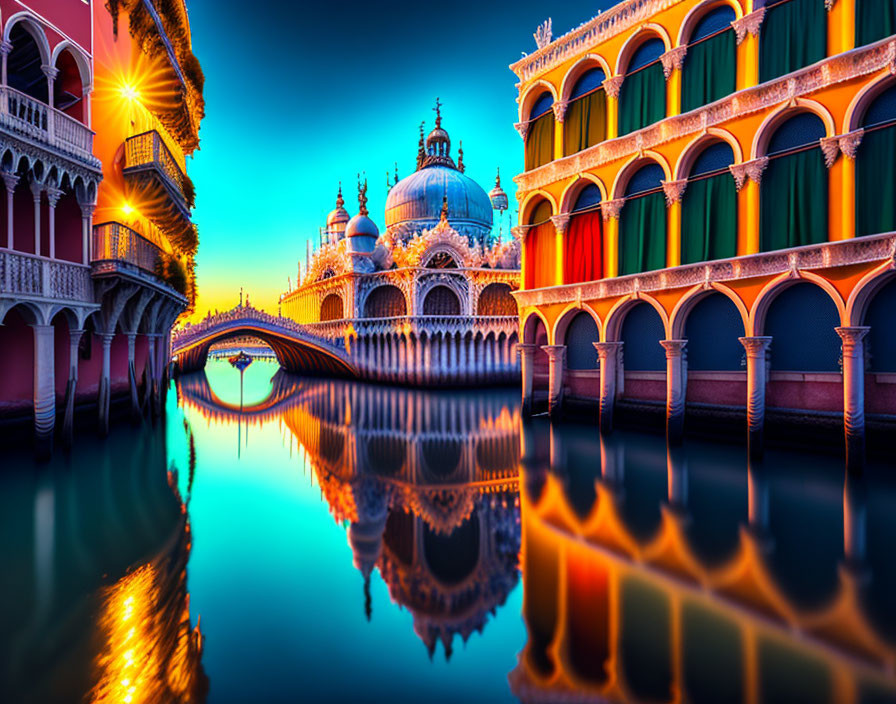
<point>297,349</point>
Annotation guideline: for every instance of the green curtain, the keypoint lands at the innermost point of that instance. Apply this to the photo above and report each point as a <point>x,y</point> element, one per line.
<point>642,234</point>
<point>710,71</point>
<point>875,19</point>
<point>794,201</point>
<point>540,141</point>
<point>709,220</point>
<point>586,122</point>
<point>642,99</point>
<point>794,35</point>
<point>876,183</point>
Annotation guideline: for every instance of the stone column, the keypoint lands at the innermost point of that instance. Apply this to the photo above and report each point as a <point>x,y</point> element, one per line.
<point>149,393</point>
<point>86,227</point>
<point>757,377</point>
<point>608,355</point>
<point>74,339</point>
<point>10,181</point>
<point>676,361</point>
<point>527,372</point>
<point>36,190</point>
<point>854,393</point>
<point>53,196</point>
<point>5,48</point>
<point>132,375</point>
<point>51,73</point>
<point>556,367</point>
<point>105,381</point>
<point>44,389</point>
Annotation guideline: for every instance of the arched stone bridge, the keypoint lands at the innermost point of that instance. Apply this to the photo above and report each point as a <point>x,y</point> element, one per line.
<point>297,349</point>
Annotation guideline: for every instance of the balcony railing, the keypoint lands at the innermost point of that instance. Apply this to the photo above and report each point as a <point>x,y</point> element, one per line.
<point>418,324</point>
<point>149,150</point>
<point>31,118</point>
<point>114,242</point>
<point>28,275</point>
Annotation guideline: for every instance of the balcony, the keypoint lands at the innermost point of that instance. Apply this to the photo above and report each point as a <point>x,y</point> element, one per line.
<point>28,276</point>
<point>147,154</point>
<point>116,249</point>
<point>37,121</point>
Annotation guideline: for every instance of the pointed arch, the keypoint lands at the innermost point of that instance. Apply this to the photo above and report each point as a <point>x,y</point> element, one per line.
<point>566,316</point>
<point>686,304</point>
<point>774,287</point>
<point>613,325</point>
<point>31,24</point>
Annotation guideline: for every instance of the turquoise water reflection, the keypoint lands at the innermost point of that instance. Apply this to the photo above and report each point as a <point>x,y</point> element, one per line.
<point>333,541</point>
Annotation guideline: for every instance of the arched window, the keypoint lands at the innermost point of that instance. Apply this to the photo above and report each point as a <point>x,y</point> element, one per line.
<point>68,88</point>
<point>540,137</point>
<point>794,191</point>
<point>642,226</point>
<point>712,329</point>
<point>709,207</point>
<point>441,260</point>
<point>385,302</point>
<point>881,343</point>
<point>584,238</point>
<point>802,322</point>
<point>495,299</point>
<point>23,68</point>
<point>581,335</point>
<point>441,300</point>
<point>540,247</point>
<point>642,98</point>
<point>585,123</point>
<point>875,19</point>
<point>875,170</point>
<point>710,65</point>
<point>793,35</point>
<point>642,330</point>
<point>331,308</point>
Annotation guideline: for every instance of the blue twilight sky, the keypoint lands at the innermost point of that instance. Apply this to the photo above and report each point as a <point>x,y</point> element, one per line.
<point>302,95</point>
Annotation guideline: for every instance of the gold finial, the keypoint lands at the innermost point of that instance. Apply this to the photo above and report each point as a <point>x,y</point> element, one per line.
<point>340,201</point>
<point>438,109</point>
<point>362,196</point>
<point>421,148</point>
<point>498,178</point>
<point>460,156</point>
<point>444,215</point>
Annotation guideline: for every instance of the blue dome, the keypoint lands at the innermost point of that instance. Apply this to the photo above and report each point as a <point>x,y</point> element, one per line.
<point>361,234</point>
<point>415,202</point>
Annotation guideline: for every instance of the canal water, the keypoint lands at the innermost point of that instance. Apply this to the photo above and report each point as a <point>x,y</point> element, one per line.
<point>286,539</point>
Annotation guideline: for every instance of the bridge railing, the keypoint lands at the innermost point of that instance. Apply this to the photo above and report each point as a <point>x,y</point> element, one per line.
<point>415,324</point>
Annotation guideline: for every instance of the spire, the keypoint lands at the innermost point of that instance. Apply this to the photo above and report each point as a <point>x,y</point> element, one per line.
<point>460,156</point>
<point>421,148</point>
<point>396,173</point>
<point>362,196</point>
<point>340,201</point>
<point>498,178</point>
<point>438,110</point>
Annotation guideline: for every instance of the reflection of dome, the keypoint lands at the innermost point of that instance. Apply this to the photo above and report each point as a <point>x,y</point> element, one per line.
<point>415,202</point>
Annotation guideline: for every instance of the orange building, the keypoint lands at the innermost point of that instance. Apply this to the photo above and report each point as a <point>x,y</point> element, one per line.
<point>698,174</point>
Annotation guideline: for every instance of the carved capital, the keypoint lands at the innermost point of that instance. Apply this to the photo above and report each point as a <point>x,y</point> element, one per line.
<point>519,232</point>
<point>830,147</point>
<point>50,72</point>
<point>673,60</point>
<point>612,208</point>
<point>612,85</point>
<point>849,143</point>
<point>10,180</point>
<point>748,24</point>
<point>674,190</point>
<point>555,353</point>
<point>53,195</point>
<point>756,346</point>
<point>36,189</point>
<point>87,209</point>
<point>755,168</point>
<point>561,222</point>
<point>852,338</point>
<point>739,171</point>
<point>523,129</point>
<point>829,4</point>
<point>674,348</point>
<point>525,349</point>
<point>559,108</point>
<point>5,47</point>
<point>607,350</point>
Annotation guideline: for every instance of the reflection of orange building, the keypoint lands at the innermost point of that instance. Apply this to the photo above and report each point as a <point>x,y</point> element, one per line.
<point>631,600</point>
<point>706,200</point>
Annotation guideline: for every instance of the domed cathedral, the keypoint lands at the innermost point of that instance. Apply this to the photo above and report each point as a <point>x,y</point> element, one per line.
<point>428,301</point>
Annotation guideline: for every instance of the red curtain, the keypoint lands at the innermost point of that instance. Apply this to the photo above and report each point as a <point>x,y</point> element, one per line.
<point>584,248</point>
<point>540,248</point>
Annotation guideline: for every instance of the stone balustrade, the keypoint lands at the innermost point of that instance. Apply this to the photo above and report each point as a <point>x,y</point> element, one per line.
<point>31,276</point>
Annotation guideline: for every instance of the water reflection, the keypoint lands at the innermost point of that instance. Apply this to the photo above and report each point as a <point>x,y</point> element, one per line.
<point>95,604</point>
<point>691,574</point>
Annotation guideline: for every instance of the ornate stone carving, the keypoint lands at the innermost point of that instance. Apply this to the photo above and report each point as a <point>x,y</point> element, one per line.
<point>522,128</point>
<point>830,147</point>
<point>561,222</point>
<point>849,142</point>
<point>544,34</point>
<point>748,24</point>
<point>829,4</point>
<point>613,85</point>
<point>674,190</point>
<point>739,171</point>
<point>559,108</point>
<point>612,208</point>
<point>755,168</point>
<point>673,60</point>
